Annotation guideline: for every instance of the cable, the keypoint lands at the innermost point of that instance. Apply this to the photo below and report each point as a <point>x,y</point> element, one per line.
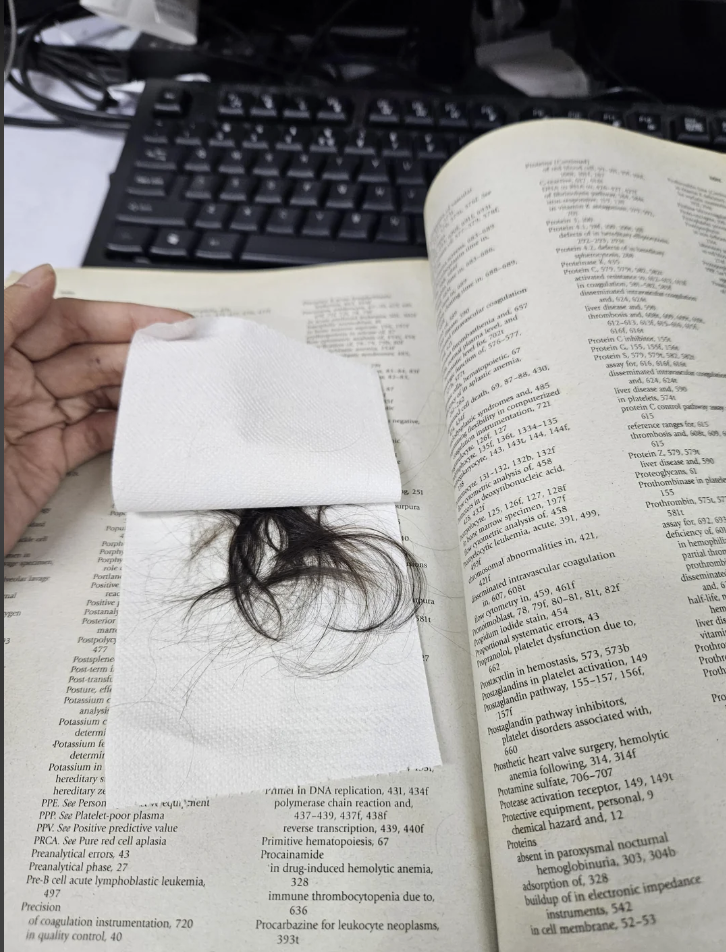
<point>627,90</point>
<point>69,115</point>
<point>282,67</point>
<point>35,123</point>
<point>88,73</point>
<point>13,40</point>
<point>382,65</point>
<point>320,34</point>
<point>607,70</point>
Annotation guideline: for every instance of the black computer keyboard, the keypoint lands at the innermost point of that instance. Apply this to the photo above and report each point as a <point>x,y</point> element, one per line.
<point>239,176</point>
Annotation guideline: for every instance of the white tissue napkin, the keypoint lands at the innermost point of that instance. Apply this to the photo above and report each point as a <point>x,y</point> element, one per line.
<point>222,413</point>
<point>192,716</point>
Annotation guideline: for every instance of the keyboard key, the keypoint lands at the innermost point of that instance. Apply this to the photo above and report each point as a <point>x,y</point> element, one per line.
<point>256,137</point>
<point>179,185</point>
<point>612,117</point>
<point>430,145</point>
<point>393,228</point>
<point>692,130</point>
<point>156,211</point>
<point>264,175</point>
<point>213,216</point>
<point>397,145</point>
<point>276,250</point>
<point>272,192</point>
<point>485,116</point>
<point>327,141</point>
<point>265,106</point>
<point>232,102</point>
<point>200,159</point>
<point>173,243</point>
<point>237,188</point>
<point>292,139</point>
<point>433,166</point>
<point>151,184</point>
<point>374,172</point>
<point>334,109</point>
<point>408,172</point>
<point>126,240</point>
<point>357,226</point>
<point>249,219</point>
<point>164,158</point>
<point>412,199</point>
<point>649,122</point>
<point>202,187</point>
<point>219,247</point>
<point>379,198</point>
<point>284,221</point>
<point>451,114</point>
<point>235,161</point>
<point>271,164</point>
<point>418,113</point>
<point>718,129</point>
<point>307,194</point>
<point>172,101</point>
<point>304,167</point>
<point>193,132</point>
<point>320,224</point>
<point>385,112</point>
<point>344,196</point>
<point>340,168</point>
<point>160,132</point>
<point>299,107</point>
<point>361,142</point>
<point>537,112</point>
<point>224,135</point>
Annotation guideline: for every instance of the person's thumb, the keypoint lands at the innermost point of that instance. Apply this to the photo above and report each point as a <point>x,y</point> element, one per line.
<point>26,301</point>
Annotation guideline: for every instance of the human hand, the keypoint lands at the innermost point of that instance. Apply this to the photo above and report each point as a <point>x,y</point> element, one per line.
<point>64,360</point>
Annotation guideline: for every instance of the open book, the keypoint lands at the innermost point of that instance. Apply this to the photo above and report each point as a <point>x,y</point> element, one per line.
<point>555,379</point>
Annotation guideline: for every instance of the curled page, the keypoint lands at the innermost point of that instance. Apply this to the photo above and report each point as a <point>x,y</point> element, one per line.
<point>223,413</point>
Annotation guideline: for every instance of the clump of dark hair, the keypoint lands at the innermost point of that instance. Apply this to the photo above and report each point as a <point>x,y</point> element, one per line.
<point>291,568</point>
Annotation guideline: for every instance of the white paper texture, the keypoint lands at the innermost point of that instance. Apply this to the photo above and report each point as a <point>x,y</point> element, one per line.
<point>211,868</point>
<point>202,705</point>
<point>173,20</point>
<point>583,351</point>
<point>222,413</point>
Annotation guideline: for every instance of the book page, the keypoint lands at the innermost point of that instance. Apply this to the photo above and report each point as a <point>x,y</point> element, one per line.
<point>580,284</point>
<point>369,863</point>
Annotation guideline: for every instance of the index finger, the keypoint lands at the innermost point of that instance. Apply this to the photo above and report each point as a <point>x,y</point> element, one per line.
<point>26,302</point>
<point>70,321</point>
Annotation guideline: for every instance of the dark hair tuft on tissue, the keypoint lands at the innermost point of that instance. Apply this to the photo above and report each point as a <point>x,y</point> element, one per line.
<point>289,567</point>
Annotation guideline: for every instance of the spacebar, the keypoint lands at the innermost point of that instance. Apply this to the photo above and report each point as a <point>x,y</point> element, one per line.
<point>264,249</point>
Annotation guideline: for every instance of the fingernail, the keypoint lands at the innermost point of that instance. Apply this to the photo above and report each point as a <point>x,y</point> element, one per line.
<point>36,277</point>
